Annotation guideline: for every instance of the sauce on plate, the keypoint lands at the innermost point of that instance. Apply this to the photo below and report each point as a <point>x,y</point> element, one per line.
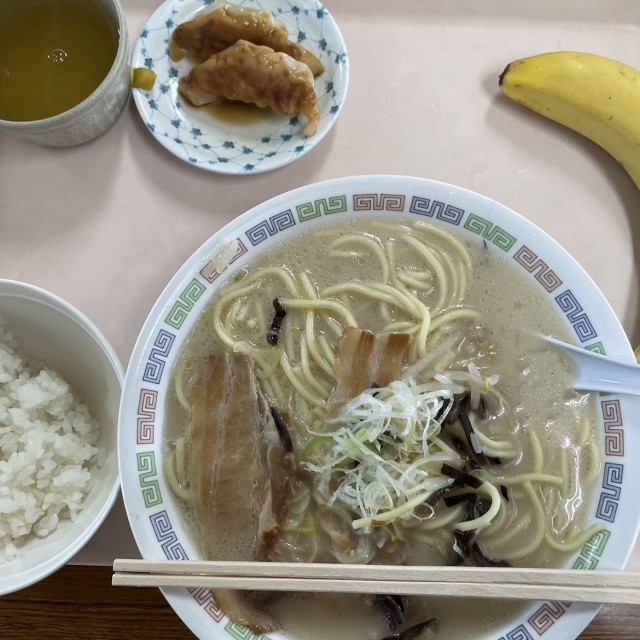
<point>235,112</point>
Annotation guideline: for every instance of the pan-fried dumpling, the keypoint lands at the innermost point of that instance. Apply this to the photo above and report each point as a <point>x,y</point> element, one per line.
<point>258,75</point>
<point>216,30</point>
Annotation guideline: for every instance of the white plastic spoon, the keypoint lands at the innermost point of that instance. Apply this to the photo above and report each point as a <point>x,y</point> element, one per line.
<point>601,373</point>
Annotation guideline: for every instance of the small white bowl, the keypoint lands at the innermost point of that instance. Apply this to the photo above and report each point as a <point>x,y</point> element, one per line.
<point>51,331</point>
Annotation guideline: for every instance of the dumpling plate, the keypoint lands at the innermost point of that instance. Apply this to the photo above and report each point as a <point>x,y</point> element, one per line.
<point>200,138</point>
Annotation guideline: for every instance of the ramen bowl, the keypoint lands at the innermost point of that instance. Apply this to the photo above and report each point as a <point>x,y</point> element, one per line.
<point>51,333</point>
<point>59,91</point>
<point>154,512</point>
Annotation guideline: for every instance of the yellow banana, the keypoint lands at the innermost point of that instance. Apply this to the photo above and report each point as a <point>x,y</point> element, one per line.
<point>593,95</point>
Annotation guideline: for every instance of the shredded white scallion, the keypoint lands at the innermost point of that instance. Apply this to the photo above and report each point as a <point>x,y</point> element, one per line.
<point>385,458</point>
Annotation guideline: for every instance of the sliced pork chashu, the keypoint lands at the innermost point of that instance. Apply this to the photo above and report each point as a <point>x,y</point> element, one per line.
<point>242,480</point>
<point>365,359</point>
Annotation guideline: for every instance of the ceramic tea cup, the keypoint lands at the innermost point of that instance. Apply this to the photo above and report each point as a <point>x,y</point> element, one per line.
<point>65,73</point>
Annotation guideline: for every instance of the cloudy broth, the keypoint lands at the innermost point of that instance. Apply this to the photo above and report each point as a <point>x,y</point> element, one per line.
<point>535,381</point>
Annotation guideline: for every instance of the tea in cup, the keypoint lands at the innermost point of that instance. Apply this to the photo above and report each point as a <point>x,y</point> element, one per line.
<point>64,71</point>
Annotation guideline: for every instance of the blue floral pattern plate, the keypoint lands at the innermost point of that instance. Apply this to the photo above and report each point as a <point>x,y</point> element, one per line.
<point>200,138</point>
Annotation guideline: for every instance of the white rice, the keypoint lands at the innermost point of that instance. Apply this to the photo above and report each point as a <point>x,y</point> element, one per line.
<point>47,448</point>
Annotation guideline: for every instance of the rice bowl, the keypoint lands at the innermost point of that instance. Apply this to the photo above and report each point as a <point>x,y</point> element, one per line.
<point>61,385</point>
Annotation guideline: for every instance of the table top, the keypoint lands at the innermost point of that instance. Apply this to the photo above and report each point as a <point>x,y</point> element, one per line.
<point>105,225</point>
<point>81,597</point>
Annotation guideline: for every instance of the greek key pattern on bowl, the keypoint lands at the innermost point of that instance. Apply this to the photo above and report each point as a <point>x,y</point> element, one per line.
<point>210,270</point>
<point>493,233</point>
<point>149,484</point>
<point>184,304</point>
<point>576,315</point>
<point>269,227</point>
<point>239,632</point>
<point>592,551</point>
<point>546,616</point>
<point>597,347</point>
<point>166,536</point>
<point>435,208</point>
<point>155,365</point>
<point>611,490</point>
<point>613,428</point>
<point>533,264</point>
<point>550,612</point>
<point>327,206</point>
<point>378,202</point>
<point>205,599</point>
<point>146,416</point>
<point>519,633</point>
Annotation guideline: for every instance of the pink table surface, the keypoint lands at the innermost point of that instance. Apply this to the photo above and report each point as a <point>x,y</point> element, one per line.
<point>105,225</point>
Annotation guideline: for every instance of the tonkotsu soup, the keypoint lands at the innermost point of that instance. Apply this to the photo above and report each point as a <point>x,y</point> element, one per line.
<point>375,392</point>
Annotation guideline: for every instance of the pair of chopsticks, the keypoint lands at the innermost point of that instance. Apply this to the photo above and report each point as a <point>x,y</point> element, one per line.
<point>566,585</point>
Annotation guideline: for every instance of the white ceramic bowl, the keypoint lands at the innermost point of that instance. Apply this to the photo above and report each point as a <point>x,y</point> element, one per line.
<point>51,331</point>
<point>153,513</point>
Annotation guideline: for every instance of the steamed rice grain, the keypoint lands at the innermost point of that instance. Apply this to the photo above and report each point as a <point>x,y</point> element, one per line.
<point>47,448</point>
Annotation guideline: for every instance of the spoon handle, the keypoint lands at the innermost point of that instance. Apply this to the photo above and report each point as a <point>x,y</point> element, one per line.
<point>601,373</point>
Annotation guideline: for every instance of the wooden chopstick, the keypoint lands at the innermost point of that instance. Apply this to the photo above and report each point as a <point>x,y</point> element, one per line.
<point>570,585</point>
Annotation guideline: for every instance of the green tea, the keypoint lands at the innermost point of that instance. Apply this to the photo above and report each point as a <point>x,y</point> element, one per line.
<point>53,55</point>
